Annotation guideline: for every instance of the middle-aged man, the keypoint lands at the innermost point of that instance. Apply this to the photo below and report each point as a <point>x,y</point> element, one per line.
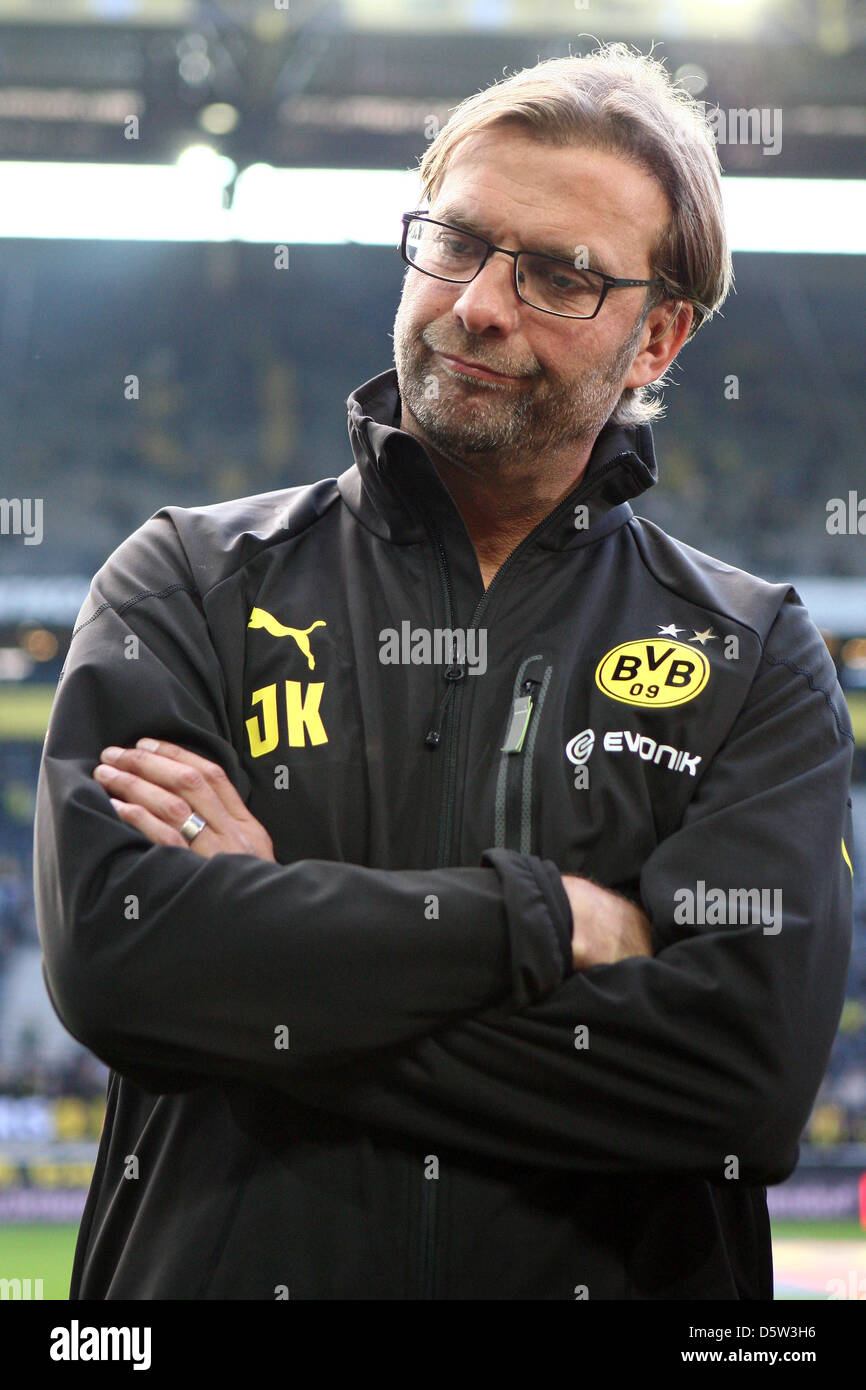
<point>476,923</point>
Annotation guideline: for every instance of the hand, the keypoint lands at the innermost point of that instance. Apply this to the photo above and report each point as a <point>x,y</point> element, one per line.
<point>156,785</point>
<point>605,927</point>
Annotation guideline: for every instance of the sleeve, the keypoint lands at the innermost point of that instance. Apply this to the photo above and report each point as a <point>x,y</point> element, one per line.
<point>172,968</point>
<point>707,1056</point>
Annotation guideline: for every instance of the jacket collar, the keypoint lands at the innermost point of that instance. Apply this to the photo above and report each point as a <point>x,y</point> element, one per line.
<point>394,486</point>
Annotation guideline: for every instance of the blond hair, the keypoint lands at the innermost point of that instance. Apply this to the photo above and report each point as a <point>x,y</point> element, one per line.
<point>621,102</point>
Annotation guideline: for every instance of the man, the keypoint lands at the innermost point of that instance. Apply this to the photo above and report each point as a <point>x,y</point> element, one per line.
<point>475,921</point>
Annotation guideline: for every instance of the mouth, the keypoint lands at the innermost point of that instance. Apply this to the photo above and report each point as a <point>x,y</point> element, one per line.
<point>457,365</point>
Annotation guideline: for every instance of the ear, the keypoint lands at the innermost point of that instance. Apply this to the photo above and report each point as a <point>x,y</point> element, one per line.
<point>663,335</point>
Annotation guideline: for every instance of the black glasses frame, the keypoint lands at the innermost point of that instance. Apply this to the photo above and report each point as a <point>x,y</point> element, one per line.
<point>608,282</point>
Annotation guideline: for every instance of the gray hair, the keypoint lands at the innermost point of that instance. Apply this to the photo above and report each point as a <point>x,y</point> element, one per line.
<point>621,102</point>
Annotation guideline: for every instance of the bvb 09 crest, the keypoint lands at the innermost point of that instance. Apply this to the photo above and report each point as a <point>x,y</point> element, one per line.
<point>653,673</point>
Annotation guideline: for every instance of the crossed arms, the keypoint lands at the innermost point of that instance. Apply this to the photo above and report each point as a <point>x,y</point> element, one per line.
<point>176,966</point>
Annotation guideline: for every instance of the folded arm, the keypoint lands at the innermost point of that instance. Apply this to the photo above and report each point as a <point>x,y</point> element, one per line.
<point>174,968</point>
<point>705,1057</point>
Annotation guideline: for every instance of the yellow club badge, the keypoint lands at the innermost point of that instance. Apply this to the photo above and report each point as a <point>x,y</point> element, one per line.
<point>655,673</point>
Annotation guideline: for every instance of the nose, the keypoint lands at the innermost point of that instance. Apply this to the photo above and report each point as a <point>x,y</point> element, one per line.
<point>490,302</point>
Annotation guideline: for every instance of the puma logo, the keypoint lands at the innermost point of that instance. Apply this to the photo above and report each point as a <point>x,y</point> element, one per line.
<point>260,617</point>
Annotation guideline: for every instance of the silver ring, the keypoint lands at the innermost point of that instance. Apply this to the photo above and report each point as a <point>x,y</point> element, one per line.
<point>192,826</point>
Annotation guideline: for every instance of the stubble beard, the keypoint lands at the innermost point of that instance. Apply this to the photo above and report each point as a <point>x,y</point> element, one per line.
<point>472,420</point>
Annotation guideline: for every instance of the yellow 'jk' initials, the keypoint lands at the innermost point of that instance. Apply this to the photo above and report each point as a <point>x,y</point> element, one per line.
<point>303,721</point>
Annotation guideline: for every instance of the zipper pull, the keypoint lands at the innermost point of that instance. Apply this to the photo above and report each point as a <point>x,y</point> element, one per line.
<point>452,673</point>
<point>521,712</point>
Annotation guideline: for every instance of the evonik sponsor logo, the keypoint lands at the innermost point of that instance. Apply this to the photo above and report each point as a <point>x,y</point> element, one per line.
<point>625,741</point>
<point>579,749</point>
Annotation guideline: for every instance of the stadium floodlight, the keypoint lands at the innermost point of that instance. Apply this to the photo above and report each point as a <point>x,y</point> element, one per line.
<point>117,202</point>
<point>825,216</point>
<point>322,206</point>
<point>365,206</point>
<point>205,167</point>
<point>185,202</point>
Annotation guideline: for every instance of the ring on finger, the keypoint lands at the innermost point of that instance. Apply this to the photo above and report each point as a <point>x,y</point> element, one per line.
<point>192,826</point>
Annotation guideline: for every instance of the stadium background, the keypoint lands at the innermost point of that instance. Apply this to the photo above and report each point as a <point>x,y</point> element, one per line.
<point>243,372</point>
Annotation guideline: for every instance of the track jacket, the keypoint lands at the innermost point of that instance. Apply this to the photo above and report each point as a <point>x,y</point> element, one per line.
<point>369,1071</point>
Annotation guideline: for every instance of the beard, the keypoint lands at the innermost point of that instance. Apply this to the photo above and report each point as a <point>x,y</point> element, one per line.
<point>468,418</point>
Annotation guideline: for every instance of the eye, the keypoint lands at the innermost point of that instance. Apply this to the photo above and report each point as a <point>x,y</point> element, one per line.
<point>453,245</point>
<point>563,280</point>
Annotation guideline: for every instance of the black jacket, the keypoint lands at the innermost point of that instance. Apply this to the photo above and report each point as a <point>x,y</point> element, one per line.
<point>369,1070</point>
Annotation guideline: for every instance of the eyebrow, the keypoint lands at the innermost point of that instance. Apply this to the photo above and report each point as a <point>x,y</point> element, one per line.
<point>458,218</point>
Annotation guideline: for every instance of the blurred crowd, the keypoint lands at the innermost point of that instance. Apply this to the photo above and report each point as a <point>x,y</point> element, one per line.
<point>765,414</point>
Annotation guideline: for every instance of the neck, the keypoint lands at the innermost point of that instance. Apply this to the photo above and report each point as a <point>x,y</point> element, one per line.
<point>501,501</point>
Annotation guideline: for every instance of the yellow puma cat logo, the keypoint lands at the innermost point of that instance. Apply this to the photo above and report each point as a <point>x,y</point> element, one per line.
<point>260,617</point>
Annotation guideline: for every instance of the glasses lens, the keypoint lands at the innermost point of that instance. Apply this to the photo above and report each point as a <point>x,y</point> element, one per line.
<point>443,251</point>
<point>558,287</point>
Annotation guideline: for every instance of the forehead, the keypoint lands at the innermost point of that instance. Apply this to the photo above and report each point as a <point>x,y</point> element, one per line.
<point>524,192</point>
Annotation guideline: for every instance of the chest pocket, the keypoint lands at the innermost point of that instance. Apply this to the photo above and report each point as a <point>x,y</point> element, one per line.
<point>515,820</point>
<point>561,794</point>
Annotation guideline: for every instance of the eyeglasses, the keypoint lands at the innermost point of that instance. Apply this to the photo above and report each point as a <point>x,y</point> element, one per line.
<point>544,282</point>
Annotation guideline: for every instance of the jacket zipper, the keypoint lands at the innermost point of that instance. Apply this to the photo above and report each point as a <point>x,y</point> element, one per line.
<point>434,735</point>
<point>443,718</point>
<point>454,675</point>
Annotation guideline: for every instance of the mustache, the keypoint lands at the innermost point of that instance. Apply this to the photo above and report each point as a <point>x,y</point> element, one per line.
<point>471,354</point>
